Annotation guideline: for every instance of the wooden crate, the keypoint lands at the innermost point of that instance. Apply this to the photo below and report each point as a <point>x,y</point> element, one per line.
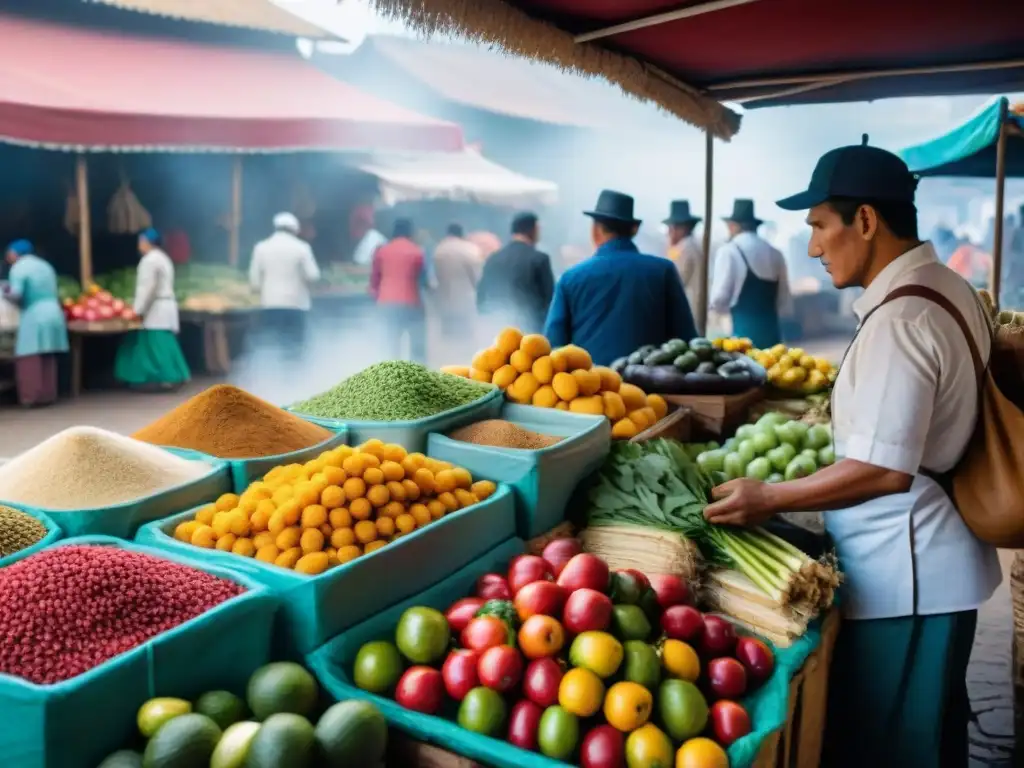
<point>798,745</point>
<point>677,425</point>
<point>717,415</point>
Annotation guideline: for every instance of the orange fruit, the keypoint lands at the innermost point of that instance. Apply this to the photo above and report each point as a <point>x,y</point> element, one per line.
<point>580,691</point>
<point>540,637</point>
<point>648,747</point>
<point>680,660</point>
<point>701,753</point>
<point>628,706</point>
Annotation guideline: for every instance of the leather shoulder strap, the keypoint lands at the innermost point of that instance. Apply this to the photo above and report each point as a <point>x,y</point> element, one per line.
<point>929,294</point>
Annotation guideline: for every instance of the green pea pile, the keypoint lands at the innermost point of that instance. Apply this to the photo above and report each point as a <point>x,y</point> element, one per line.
<point>19,531</point>
<point>393,391</point>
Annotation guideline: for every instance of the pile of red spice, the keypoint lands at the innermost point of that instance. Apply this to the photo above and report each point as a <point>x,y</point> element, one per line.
<point>68,609</point>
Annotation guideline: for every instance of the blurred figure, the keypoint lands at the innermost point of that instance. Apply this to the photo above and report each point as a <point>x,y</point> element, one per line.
<point>364,231</point>
<point>282,270</point>
<point>684,250</point>
<point>620,299</point>
<point>517,282</point>
<point>42,333</point>
<point>395,281</point>
<point>488,243</point>
<point>457,265</point>
<point>151,358</point>
<point>751,280</point>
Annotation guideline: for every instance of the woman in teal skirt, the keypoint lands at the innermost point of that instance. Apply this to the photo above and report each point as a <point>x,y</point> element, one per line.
<point>151,358</point>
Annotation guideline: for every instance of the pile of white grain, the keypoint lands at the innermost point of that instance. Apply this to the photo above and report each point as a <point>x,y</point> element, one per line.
<point>86,468</point>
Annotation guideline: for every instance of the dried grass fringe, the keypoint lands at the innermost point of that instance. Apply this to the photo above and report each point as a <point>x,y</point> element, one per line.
<point>494,22</point>
<point>646,549</point>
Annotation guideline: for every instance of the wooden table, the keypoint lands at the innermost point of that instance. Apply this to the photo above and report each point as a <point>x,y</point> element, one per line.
<point>215,325</point>
<point>78,330</point>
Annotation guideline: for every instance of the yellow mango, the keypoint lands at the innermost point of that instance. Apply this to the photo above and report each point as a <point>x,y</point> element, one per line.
<point>589,382</point>
<point>624,429</point>
<point>658,404</point>
<point>561,405</point>
<point>535,345</point>
<point>632,396</point>
<point>614,408</point>
<point>456,370</point>
<point>482,361</point>
<point>543,369</point>
<point>521,361</point>
<point>312,563</point>
<point>565,386</point>
<point>508,341</point>
<point>610,380</point>
<point>579,358</point>
<point>523,388</point>
<point>504,376</point>
<point>478,375</point>
<point>560,360</point>
<point>592,404</point>
<point>545,397</point>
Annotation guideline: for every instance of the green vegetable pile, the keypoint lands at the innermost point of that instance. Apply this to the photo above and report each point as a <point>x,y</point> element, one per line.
<point>655,484</point>
<point>393,391</point>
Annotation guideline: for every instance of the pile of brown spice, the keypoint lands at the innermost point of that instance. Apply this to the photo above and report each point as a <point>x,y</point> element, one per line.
<point>498,433</point>
<point>229,423</point>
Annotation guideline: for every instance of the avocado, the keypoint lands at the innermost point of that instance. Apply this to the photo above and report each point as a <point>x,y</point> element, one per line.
<point>675,346</point>
<point>706,367</point>
<point>700,341</point>
<point>704,354</point>
<point>619,365</point>
<point>721,358</point>
<point>636,358</point>
<point>687,362</point>
<point>658,357</point>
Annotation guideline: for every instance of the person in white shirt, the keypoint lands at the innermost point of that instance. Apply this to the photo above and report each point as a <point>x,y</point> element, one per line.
<point>151,357</point>
<point>282,270</point>
<point>684,249</point>
<point>904,408</point>
<point>457,267</point>
<point>751,280</point>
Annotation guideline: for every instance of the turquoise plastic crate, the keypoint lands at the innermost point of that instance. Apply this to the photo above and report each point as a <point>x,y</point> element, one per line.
<point>245,471</point>
<point>53,533</point>
<point>412,435</point>
<point>76,723</point>
<point>332,664</point>
<point>542,480</point>
<point>123,520</point>
<point>316,608</point>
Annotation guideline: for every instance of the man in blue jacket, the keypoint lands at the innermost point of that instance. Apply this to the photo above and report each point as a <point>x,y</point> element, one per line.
<point>620,299</point>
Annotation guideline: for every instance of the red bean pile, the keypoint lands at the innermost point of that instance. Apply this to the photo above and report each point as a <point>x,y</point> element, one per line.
<point>66,610</point>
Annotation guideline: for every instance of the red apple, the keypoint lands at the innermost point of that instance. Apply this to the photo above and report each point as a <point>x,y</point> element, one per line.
<point>540,597</point>
<point>462,612</point>
<point>459,673</point>
<point>603,747</point>
<point>523,724</point>
<point>527,569</point>
<point>729,721</point>
<point>727,679</point>
<point>541,681</point>
<point>559,552</point>
<point>584,571</point>
<point>77,312</point>
<point>484,632</point>
<point>105,312</point>
<point>587,609</point>
<point>756,657</point>
<point>671,590</point>
<point>719,636</point>
<point>501,668</point>
<point>639,576</point>
<point>92,303</point>
<point>683,622</point>
<point>117,305</point>
<point>128,314</point>
<point>421,689</point>
<point>493,586</point>
<point>90,316</point>
<point>104,297</point>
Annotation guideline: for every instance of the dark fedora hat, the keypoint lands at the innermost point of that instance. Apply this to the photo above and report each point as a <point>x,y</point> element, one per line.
<point>613,206</point>
<point>743,213</point>
<point>679,213</point>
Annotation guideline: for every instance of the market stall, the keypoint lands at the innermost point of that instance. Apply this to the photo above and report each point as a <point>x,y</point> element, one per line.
<point>989,144</point>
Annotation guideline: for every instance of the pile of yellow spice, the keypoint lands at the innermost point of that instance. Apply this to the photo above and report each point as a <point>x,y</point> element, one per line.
<point>346,503</point>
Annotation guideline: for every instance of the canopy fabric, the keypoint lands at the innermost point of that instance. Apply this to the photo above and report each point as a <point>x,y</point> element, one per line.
<point>970,148</point>
<point>759,52</point>
<point>465,176</point>
<point>82,90</point>
<point>263,15</point>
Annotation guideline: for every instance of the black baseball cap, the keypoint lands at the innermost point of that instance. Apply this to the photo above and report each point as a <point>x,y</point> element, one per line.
<point>859,172</point>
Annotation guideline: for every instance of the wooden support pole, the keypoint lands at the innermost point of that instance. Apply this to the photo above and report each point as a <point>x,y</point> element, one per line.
<point>84,221</point>
<point>701,310</point>
<point>236,211</point>
<point>996,278</point>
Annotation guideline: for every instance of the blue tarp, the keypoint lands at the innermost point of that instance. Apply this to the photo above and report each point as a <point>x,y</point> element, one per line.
<point>970,148</point>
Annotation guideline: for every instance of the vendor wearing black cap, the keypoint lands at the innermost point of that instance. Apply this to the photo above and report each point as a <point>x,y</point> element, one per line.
<point>683,249</point>
<point>751,280</point>
<point>620,299</point>
<point>904,408</point>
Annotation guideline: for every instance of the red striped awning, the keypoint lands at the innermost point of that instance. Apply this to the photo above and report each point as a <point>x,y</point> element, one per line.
<point>77,89</point>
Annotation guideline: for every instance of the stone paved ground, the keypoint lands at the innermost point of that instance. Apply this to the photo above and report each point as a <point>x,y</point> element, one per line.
<point>989,676</point>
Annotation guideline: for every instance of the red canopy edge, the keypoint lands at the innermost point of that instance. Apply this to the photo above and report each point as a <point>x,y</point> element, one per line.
<point>519,29</point>
<point>74,89</point>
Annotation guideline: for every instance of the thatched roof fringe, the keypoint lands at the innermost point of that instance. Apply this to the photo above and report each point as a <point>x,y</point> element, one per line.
<point>496,23</point>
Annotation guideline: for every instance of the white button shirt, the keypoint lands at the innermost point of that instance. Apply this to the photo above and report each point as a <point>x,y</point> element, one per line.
<point>154,292</point>
<point>282,269</point>
<point>765,261</point>
<point>906,398</point>
<point>688,256</point>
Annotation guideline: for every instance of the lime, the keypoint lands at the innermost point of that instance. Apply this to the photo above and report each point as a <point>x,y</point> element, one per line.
<point>422,635</point>
<point>234,745</point>
<point>284,739</point>
<point>156,712</point>
<point>351,734</point>
<point>682,708</point>
<point>186,741</point>
<point>283,686</point>
<point>123,758</point>
<point>377,667</point>
<point>223,707</point>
